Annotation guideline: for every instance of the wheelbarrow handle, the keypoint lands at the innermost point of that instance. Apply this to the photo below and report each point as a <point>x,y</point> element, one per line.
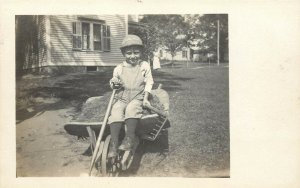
<point>102,130</point>
<point>159,112</point>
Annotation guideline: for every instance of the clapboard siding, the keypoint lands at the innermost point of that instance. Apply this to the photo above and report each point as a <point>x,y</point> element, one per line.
<point>61,42</point>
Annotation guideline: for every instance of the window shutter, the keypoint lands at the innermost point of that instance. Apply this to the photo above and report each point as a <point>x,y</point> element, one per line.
<point>77,39</point>
<point>106,38</point>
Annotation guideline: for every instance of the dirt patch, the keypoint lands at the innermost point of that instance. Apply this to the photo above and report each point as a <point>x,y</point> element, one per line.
<point>44,148</point>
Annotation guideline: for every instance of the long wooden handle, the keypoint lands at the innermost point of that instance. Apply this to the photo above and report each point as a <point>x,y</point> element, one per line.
<point>102,130</point>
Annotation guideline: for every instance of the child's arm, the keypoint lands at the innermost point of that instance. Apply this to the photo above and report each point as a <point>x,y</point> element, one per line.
<point>148,84</point>
<point>148,77</point>
<point>146,101</point>
<point>115,82</point>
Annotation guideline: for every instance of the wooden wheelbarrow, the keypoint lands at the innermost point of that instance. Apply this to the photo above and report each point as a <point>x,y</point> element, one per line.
<point>150,127</point>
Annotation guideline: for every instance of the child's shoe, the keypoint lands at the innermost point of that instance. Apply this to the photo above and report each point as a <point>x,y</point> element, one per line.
<point>127,144</point>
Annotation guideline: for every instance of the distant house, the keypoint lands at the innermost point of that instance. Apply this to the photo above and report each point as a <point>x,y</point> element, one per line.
<point>198,51</point>
<point>181,55</point>
<point>69,42</point>
<point>194,51</point>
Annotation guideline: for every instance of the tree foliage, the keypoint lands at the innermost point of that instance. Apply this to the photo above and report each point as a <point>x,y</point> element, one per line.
<point>204,27</point>
<point>165,30</point>
<point>161,30</point>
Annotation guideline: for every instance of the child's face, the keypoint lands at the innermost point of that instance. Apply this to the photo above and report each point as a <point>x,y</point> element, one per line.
<point>132,54</point>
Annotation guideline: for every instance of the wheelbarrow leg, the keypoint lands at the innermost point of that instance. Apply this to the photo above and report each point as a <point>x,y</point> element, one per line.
<point>93,139</point>
<point>92,136</point>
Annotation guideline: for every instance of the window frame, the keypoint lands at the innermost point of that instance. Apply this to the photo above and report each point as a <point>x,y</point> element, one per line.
<point>105,38</point>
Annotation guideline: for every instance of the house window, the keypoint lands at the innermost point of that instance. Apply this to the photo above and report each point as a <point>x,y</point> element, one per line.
<point>85,36</point>
<point>91,36</point>
<point>91,68</point>
<point>97,37</point>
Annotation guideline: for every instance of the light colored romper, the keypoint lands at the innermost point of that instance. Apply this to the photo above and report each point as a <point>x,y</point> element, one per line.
<point>130,97</point>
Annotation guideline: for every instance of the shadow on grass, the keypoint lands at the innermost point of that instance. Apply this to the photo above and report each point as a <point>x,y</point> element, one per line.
<point>169,81</point>
<point>157,146</point>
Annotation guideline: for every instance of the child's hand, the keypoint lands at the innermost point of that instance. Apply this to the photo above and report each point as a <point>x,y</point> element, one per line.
<point>146,103</point>
<point>115,83</point>
<point>166,112</point>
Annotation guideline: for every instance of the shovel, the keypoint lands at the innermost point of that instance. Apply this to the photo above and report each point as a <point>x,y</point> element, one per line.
<point>102,131</point>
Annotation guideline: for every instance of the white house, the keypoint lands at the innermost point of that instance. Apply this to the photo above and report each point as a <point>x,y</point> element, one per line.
<point>70,42</point>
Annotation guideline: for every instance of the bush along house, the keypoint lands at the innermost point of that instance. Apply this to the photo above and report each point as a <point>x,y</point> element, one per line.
<point>69,43</point>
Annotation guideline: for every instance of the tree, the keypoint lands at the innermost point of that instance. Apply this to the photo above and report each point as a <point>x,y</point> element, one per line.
<point>26,41</point>
<point>174,31</point>
<point>204,27</point>
<point>165,30</point>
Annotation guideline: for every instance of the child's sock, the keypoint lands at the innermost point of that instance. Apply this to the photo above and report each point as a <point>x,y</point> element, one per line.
<point>114,131</point>
<point>131,125</point>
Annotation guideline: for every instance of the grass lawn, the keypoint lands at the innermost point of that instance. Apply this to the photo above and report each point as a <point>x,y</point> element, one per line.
<point>199,114</point>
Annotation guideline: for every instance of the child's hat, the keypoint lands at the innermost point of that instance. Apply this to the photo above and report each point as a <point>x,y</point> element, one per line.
<point>131,40</point>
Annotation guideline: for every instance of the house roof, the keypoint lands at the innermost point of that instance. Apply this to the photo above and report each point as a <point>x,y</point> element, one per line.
<point>137,24</point>
<point>91,18</point>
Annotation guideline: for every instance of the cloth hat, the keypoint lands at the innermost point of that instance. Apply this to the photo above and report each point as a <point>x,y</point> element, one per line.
<point>131,40</point>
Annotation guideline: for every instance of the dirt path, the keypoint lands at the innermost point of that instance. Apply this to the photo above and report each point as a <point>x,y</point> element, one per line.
<point>44,148</point>
<point>198,138</point>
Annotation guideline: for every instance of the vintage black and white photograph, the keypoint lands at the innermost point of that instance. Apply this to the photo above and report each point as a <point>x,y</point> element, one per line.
<point>112,95</point>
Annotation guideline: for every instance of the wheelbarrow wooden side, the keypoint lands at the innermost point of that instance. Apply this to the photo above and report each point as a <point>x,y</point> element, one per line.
<point>92,129</point>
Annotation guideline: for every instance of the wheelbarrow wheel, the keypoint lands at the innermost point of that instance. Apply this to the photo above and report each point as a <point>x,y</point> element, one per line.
<point>108,165</point>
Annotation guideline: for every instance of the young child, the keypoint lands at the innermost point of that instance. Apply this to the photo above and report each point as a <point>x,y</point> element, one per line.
<point>156,61</point>
<point>134,81</point>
